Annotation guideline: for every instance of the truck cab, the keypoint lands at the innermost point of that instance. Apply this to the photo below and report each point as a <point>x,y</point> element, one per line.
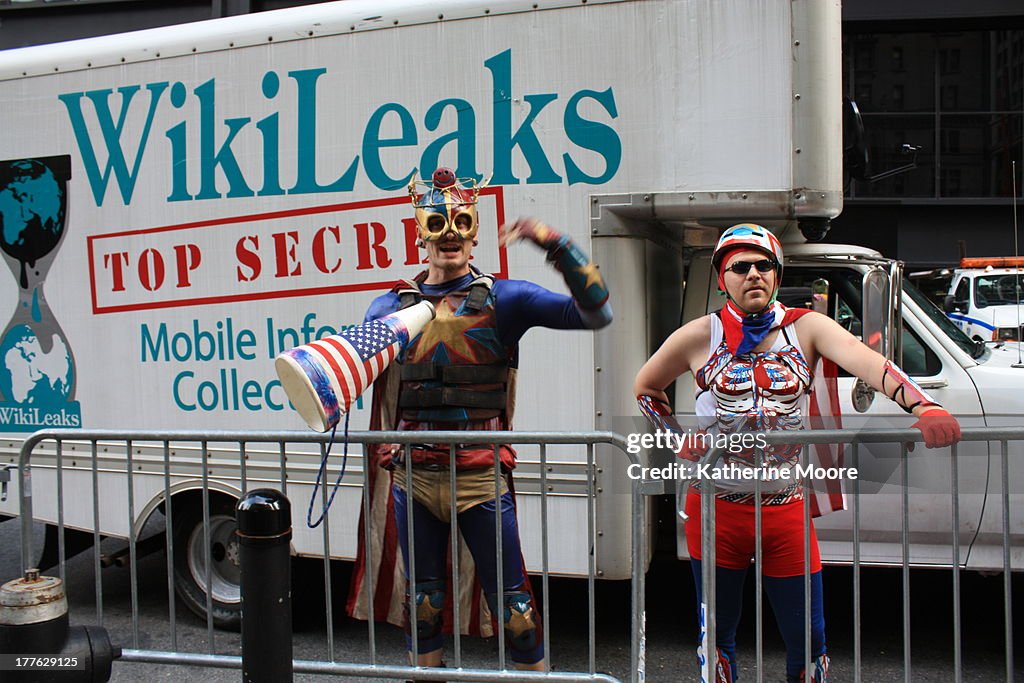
<point>985,296</point>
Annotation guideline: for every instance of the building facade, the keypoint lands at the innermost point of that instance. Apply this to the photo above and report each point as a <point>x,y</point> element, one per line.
<point>946,78</point>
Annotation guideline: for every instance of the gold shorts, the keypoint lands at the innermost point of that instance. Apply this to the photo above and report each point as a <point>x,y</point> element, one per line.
<point>432,488</point>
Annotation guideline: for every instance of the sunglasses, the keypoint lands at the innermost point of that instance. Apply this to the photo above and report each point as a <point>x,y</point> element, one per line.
<point>743,267</point>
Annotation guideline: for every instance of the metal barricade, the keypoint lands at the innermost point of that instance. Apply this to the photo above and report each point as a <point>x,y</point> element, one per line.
<point>856,439</point>
<point>159,466</point>
<point>205,461</point>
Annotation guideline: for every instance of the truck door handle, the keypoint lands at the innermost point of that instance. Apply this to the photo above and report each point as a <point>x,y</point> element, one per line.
<point>933,384</point>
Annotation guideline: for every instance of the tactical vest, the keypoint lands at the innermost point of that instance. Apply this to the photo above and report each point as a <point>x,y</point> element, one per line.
<point>456,370</point>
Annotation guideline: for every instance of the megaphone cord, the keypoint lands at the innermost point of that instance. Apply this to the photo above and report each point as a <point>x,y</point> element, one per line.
<point>320,474</point>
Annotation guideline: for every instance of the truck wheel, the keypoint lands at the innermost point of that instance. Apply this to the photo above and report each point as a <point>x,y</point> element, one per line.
<point>190,545</point>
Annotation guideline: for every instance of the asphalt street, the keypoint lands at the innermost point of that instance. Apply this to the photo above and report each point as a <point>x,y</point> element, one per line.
<point>670,626</point>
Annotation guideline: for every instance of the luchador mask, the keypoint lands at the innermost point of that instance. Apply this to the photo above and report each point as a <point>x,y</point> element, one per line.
<point>446,197</point>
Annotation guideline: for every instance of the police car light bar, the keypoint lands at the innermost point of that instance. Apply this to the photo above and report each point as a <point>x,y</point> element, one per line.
<point>993,261</point>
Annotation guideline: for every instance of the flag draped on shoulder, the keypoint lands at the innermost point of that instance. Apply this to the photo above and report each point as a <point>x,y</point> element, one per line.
<point>827,495</point>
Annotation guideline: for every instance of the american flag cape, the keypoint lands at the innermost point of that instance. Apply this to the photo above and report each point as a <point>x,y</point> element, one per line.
<point>386,574</point>
<point>827,495</point>
<point>824,412</point>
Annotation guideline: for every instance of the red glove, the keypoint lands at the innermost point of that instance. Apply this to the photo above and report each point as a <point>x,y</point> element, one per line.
<point>938,427</point>
<point>695,445</point>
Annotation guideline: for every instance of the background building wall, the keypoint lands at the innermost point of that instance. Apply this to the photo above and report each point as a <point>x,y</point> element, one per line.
<point>947,77</point>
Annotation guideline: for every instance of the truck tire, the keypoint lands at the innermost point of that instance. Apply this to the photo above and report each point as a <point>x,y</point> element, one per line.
<point>190,562</point>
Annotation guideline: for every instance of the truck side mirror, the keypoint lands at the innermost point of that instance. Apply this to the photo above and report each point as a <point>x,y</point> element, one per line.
<point>882,310</point>
<point>875,316</point>
<point>952,305</point>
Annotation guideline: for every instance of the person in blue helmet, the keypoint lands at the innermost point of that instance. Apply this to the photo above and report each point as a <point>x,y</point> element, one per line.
<point>459,374</point>
<point>753,363</point>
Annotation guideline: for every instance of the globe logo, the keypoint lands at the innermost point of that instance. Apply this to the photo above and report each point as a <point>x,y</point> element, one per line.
<point>37,369</point>
<point>30,375</point>
<point>31,212</point>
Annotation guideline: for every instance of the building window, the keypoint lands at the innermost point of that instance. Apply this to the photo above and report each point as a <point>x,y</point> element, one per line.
<point>950,184</point>
<point>864,57</point>
<point>897,58</point>
<point>958,96</point>
<point>949,61</point>
<point>864,93</point>
<point>949,96</point>
<point>897,97</point>
<point>950,141</point>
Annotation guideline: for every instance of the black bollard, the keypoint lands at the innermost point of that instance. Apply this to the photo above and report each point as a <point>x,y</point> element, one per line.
<point>36,644</point>
<point>265,534</point>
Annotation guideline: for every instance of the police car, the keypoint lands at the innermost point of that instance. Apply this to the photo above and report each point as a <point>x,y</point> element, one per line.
<point>985,296</point>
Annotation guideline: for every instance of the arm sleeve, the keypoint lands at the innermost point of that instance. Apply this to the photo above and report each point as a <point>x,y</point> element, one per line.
<point>522,305</point>
<point>381,306</point>
<point>584,281</point>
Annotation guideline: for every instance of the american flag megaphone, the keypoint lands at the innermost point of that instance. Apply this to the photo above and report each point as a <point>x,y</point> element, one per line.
<point>324,377</point>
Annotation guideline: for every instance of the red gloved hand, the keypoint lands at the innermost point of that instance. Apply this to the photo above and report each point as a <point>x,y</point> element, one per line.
<point>388,455</point>
<point>531,229</point>
<point>694,446</point>
<point>938,427</point>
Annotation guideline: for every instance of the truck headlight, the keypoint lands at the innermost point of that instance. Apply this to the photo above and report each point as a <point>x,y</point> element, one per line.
<point>1005,334</point>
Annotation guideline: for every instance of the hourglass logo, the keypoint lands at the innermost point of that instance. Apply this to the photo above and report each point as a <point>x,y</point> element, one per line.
<point>37,368</point>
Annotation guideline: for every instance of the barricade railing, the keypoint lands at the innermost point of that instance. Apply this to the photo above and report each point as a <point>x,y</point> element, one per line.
<point>855,439</point>
<point>243,443</point>
<point>88,445</point>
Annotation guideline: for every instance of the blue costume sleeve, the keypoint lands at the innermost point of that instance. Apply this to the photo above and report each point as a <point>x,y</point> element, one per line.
<point>381,306</point>
<point>521,305</point>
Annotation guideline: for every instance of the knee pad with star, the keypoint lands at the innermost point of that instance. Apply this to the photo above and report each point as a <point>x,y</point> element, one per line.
<point>520,620</point>
<point>430,597</point>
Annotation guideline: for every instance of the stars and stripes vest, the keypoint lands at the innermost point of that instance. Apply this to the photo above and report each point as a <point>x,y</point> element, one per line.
<point>755,392</point>
<point>457,370</point>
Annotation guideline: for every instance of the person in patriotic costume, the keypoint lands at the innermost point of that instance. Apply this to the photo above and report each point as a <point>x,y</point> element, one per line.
<point>754,363</point>
<point>459,374</point>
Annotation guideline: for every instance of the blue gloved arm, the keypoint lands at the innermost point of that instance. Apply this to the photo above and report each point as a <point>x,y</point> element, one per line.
<point>581,274</point>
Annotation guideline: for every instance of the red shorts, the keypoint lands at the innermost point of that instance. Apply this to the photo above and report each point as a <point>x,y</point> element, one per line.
<point>782,545</point>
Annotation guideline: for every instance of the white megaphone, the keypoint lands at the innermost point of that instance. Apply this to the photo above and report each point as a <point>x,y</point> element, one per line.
<point>324,377</point>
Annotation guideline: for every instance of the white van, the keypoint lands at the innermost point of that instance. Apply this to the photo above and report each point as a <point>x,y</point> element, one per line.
<point>984,298</point>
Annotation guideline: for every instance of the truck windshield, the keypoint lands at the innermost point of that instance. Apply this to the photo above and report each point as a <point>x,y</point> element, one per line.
<point>944,323</point>
<point>998,290</point>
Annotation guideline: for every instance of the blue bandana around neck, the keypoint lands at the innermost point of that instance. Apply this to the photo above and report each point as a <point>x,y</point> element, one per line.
<point>754,327</point>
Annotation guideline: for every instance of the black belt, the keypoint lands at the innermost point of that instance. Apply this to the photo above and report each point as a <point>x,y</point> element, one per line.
<point>455,374</point>
<point>452,397</point>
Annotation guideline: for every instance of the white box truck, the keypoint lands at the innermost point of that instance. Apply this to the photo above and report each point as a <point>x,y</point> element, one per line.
<point>180,204</point>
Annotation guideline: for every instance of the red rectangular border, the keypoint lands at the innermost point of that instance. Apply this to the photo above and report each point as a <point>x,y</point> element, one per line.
<point>279,294</point>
